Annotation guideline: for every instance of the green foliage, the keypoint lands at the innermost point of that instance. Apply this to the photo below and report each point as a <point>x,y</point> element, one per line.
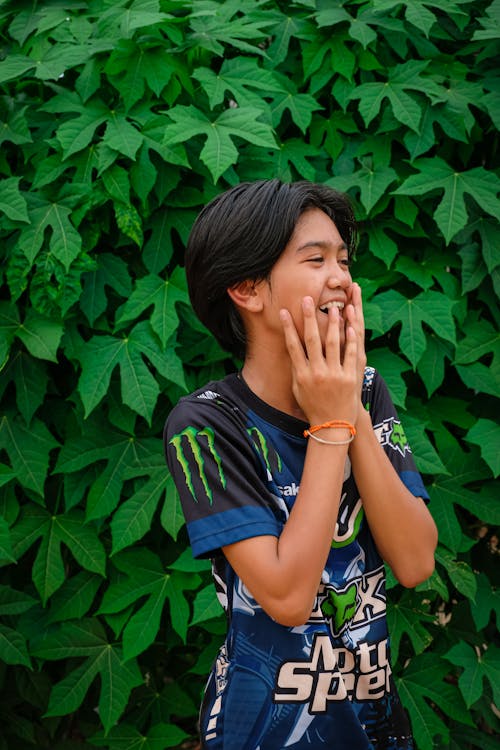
<point>119,120</point>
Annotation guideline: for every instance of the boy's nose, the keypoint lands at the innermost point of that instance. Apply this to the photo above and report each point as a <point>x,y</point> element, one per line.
<point>339,277</point>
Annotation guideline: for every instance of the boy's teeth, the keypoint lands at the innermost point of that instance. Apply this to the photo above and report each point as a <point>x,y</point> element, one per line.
<point>325,308</point>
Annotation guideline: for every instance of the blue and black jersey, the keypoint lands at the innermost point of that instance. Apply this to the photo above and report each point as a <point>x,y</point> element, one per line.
<point>237,464</point>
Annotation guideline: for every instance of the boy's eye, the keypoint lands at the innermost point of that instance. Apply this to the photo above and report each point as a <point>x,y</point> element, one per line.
<point>316,259</point>
<point>345,262</point>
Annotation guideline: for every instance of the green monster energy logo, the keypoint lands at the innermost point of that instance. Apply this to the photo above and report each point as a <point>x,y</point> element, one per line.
<point>262,446</point>
<point>193,437</point>
<point>340,606</point>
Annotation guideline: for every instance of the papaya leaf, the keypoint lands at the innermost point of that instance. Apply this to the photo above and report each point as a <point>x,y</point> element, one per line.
<point>102,354</point>
<point>206,606</point>
<point>486,434</point>
<point>133,518</point>
<point>13,602</point>
<point>6,551</point>
<point>421,682</point>
<point>128,737</point>
<point>427,307</point>
<point>477,665</point>
<point>461,575</point>
<point>407,617</point>
<point>28,450</point>
<point>487,601</point>
<point>112,272</point>
<point>241,76</point>
<point>30,379</point>
<point>65,241</point>
<point>172,517</point>
<point>406,108</point>
<point>219,151</point>
<point>12,203</point>
<point>451,214</point>
<point>371,180</point>
<point>74,599</point>
<point>13,649</point>
<point>162,295</point>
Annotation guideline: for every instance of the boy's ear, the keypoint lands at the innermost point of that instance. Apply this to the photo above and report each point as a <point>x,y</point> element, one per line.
<point>246,295</point>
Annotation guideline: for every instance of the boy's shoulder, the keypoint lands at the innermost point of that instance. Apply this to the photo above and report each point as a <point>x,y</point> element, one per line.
<point>217,397</point>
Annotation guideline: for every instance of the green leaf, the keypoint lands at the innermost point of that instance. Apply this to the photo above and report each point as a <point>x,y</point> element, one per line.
<point>15,66</point>
<point>13,649</point>
<point>451,214</point>
<point>461,575</point>
<point>40,335</point>
<point>12,203</point>
<point>101,355</point>
<point>206,606</point>
<point>128,737</point>
<point>74,599</point>
<point>489,23</point>
<point>76,134</point>
<point>391,367</point>
<point>241,76</point>
<point>13,602</point>
<point>133,518</point>
<point>423,682</point>
<point>162,295</point>
<point>28,450</point>
<point>68,694</point>
<point>111,272</point>
<point>487,601</point>
<point>30,379</point>
<point>372,181</point>
<point>219,151</point>
<point>172,517</point>
<point>430,307</point>
<point>431,365</point>
<point>480,338</point>
<point>117,682</point>
<point>486,434</point>
<point>122,136</point>
<point>406,617</point>
<point>9,325</point>
<point>6,551</point>
<point>405,107</point>
<point>65,242</point>
<point>477,664</point>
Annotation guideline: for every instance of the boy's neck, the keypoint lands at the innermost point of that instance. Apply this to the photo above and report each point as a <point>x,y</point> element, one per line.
<point>272,383</point>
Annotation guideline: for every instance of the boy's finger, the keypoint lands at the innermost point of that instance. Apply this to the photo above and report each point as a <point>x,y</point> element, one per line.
<point>350,349</point>
<point>332,341</point>
<point>312,339</point>
<point>292,341</point>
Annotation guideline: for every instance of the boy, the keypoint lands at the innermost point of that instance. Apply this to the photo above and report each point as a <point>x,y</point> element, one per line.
<point>290,482</point>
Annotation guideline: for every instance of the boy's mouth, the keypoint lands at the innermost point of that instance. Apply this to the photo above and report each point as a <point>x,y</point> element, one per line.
<point>334,303</point>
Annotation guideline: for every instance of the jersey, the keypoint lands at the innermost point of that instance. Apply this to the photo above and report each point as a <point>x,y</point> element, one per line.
<point>237,464</point>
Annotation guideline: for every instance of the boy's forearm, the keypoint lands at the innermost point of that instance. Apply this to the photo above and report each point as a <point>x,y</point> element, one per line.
<point>284,573</point>
<point>403,529</point>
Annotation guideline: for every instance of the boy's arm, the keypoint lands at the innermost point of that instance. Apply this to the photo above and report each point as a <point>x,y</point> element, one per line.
<point>283,574</point>
<point>400,523</point>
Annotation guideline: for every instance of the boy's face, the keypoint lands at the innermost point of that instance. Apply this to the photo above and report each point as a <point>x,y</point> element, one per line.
<point>314,263</point>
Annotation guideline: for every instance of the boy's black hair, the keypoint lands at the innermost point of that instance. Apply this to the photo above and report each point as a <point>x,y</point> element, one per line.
<point>240,235</point>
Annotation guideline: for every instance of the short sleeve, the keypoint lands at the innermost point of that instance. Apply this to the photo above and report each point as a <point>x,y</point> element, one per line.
<point>223,492</point>
<point>390,433</point>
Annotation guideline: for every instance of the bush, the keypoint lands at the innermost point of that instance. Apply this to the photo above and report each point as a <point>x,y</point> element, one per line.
<point>119,121</point>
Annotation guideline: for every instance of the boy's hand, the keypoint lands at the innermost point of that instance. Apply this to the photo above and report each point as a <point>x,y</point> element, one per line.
<point>325,382</point>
